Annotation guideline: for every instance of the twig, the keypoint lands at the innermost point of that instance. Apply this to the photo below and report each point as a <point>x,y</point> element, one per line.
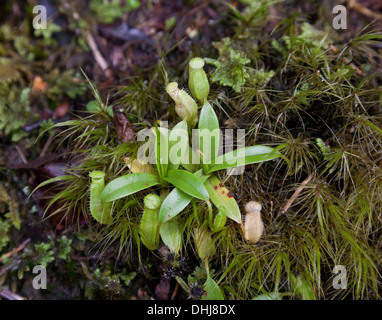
<point>175,291</point>
<point>45,148</point>
<point>363,10</point>
<point>22,156</point>
<point>9,295</point>
<point>97,54</point>
<point>12,252</point>
<point>295,194</point>
<point>347,61</point>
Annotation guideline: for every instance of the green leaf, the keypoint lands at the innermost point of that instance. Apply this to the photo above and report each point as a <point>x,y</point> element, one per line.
<point>133,4</point>
<point>174,203</point>
<point>201,176</point>
<point>161,150</point>
<point>127,278</point>
<point>204,244</point>
<point>52,180</point>
<point>128,184</point>
<point>183,284</point>
<point>373,126</point>
<point>269,296</point>
<point>208,128</point>
<point>188,183</point>
<point>171,234</point>
<point>175,146</point>
<point>244,156</point>
<point>303,287</point>
<point>219,221</point>
<point>212,290</point>
<point>177,200</point>
<point>222,199</point>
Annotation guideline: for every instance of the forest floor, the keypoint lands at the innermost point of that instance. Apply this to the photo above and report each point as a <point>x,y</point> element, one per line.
<point>129,54</point>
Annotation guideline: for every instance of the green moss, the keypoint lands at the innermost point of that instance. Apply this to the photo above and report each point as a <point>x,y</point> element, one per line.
<point>108,11</point>
<point>4,238</point>
<point>43,253</point>
<point>230,66</point>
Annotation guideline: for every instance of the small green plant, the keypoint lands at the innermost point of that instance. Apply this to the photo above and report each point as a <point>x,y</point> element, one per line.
<point>201,285</point>
<point>190,181</point>
<point>44,253</point>
<point>254,14</point>
<point>230,66</point>
<point>107,11</point>
<point>325,150</point>
<point>302,287</point>
<point>14,110</point>
<point>103,284</point>
<point>47,33</point>
<point>64,247</point>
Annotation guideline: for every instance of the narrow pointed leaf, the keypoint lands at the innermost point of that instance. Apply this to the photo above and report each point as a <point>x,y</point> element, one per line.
<point>209,123</point>
<point>171,234</point>
<point>223,199</point>
<point>179,131</point>
<point>244,156</point>
<point>188,183</point>
<point>128,184</point>
<point>161,150</point>
<point>53,180</point>
<point>174,203</point>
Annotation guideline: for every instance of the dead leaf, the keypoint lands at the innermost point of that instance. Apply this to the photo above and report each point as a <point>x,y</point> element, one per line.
<point>125,130</point>
<point>61,110</point>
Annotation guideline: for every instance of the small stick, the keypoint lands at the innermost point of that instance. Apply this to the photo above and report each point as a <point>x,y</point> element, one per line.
<point>22,156</point>
<point>347,61</point>
<point>295,194</point>
<point>363,10</point>
<point>46,145</point>
<point>12,252</point>
<point>9,295</point>
<point>97,54</point>
<point>175,291</point>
